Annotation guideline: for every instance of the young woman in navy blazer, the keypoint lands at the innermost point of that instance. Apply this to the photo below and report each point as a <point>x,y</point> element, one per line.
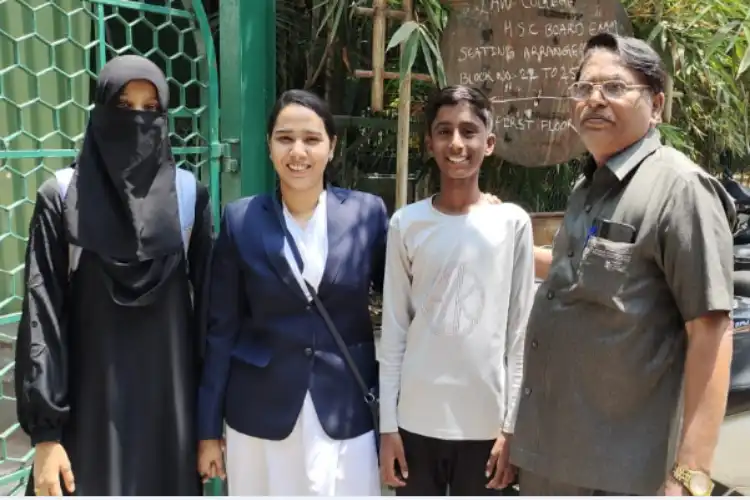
<point>296,420</point>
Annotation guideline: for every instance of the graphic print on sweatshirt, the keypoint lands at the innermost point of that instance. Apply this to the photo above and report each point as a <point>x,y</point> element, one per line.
<point>454,306</point>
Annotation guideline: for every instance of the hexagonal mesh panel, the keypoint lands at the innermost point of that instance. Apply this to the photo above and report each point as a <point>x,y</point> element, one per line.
<point>50,51</point>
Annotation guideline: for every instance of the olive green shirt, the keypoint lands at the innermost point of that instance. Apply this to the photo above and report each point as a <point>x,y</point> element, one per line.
<point>606,341</point>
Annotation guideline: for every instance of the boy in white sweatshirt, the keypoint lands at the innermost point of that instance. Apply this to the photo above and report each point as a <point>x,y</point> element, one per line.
<point>459,285</point>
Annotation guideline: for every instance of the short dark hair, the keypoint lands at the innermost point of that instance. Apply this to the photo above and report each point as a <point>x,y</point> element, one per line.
<point>308,100</point>
<point>450,96</point>
<point>635,54</point>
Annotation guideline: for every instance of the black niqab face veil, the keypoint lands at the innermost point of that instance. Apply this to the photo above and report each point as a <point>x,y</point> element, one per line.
<point>122,203</point>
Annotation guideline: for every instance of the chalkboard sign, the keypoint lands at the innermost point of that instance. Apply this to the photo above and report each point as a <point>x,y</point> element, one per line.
<point>524,55</point>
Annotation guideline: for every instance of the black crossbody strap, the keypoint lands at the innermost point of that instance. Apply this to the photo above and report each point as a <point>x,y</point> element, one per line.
<point>368,395</point>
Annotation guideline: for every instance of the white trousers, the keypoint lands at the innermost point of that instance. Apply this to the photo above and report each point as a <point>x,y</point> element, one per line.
<point>306,463</point>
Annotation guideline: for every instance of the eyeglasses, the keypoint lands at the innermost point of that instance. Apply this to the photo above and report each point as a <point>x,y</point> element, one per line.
<point>611,90</point>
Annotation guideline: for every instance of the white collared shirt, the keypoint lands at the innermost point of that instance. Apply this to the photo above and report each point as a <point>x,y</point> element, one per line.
<point>312,243</point>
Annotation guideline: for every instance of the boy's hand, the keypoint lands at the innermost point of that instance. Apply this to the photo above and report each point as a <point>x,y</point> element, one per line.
<point>392,453</point>
<point>499,470</point>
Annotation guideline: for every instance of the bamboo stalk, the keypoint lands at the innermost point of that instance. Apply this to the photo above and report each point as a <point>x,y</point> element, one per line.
<point>669,86</point>
<point>404,112</point>
<point>378,54</point>
<point>390,75</point>
<point>668,99</point>
<point>369,12</point>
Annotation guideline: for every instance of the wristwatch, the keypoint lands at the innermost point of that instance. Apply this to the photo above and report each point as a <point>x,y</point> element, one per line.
<point>697,482</point>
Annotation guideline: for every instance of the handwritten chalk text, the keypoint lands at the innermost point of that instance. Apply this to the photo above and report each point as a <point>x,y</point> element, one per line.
<point>506,52</point>
<point>539,53</point>
<point>522,124</point>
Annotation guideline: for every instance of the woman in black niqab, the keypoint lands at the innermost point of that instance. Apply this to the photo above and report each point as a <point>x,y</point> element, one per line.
<point>109,342</point>
<point>122,204</point>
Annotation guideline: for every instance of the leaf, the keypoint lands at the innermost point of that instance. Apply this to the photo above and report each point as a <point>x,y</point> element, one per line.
<point>332,6</point>
<point>745,63</point>
<point>427,53</point>
<point>655,32</point>
<point>433,13</point>
<point>409,54</point>
<point>401,34</point>
<point>437,55</point>
<point>719,37</point>
<point>336,21</point>
<point>700,15</point>
<point>442,79</point>
<point>430,41</point>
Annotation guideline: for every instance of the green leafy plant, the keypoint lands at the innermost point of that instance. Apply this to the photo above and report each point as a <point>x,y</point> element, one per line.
<point>705,48</point>
<point>422,37</point>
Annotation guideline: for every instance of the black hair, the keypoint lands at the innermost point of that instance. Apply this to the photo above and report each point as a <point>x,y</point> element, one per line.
<point>635,54</point>
<point>310,101</point>
<point>450,96</point>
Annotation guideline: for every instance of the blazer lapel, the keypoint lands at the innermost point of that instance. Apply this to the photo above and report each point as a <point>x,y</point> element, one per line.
<point>337,229</point>
<point>273,243</point>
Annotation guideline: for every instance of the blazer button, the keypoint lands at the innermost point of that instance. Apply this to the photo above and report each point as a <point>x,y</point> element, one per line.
<point>550,295</point>
<point>534,344</point>
<point>308,352</point>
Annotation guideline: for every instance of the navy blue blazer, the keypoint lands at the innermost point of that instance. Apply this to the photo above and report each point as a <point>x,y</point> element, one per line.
<point>266,345</point>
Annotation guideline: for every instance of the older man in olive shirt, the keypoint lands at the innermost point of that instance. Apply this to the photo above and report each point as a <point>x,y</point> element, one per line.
<point>636,302</point>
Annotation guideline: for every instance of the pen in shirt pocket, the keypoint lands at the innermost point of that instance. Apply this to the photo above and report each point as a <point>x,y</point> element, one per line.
<point>591,232</point>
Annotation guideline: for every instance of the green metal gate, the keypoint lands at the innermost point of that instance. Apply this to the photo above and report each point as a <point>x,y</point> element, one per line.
<point>50,52</point>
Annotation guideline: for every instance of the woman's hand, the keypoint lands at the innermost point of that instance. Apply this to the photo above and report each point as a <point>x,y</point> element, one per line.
<point>211,459</point>
<point>50,462</point>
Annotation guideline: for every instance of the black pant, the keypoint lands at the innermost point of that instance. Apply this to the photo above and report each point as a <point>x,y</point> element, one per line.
<point>439,468</point>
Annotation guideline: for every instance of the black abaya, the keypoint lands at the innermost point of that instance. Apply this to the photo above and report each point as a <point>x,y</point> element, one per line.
<point>115,384</point>
<point>107,358</point>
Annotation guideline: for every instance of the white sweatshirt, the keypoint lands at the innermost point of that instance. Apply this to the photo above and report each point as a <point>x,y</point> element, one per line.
<point>457,295</point>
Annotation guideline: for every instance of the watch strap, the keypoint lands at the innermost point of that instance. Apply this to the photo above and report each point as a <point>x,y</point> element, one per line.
<point>684,477</point>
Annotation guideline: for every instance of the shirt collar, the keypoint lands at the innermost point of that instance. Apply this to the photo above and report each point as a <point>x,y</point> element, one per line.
<point>626,160</point>
<point>316,222</point>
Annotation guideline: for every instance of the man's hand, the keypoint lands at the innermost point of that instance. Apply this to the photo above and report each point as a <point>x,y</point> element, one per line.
<point>499,470</point>
<point>491,199</point>
<point>392,454</point>
<point>542,262</point>
<point>674,489</point>
<point>50,462</point>
<point>211,459</point>
<point>707,373</point>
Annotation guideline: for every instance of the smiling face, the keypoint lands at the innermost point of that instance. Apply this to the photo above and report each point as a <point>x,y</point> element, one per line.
<point>300,148</point>
<point>609,123</point>
<point>459,140</point>
<point>139,95</point>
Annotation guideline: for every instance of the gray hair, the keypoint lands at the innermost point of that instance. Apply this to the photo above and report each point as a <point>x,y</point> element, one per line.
<point>635,54</point>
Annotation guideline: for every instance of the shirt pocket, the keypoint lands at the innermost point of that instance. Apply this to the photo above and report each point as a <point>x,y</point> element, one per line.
<point>604,267</point>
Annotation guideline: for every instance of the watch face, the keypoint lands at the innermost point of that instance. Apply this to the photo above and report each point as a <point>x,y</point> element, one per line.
<point>700,484</point>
